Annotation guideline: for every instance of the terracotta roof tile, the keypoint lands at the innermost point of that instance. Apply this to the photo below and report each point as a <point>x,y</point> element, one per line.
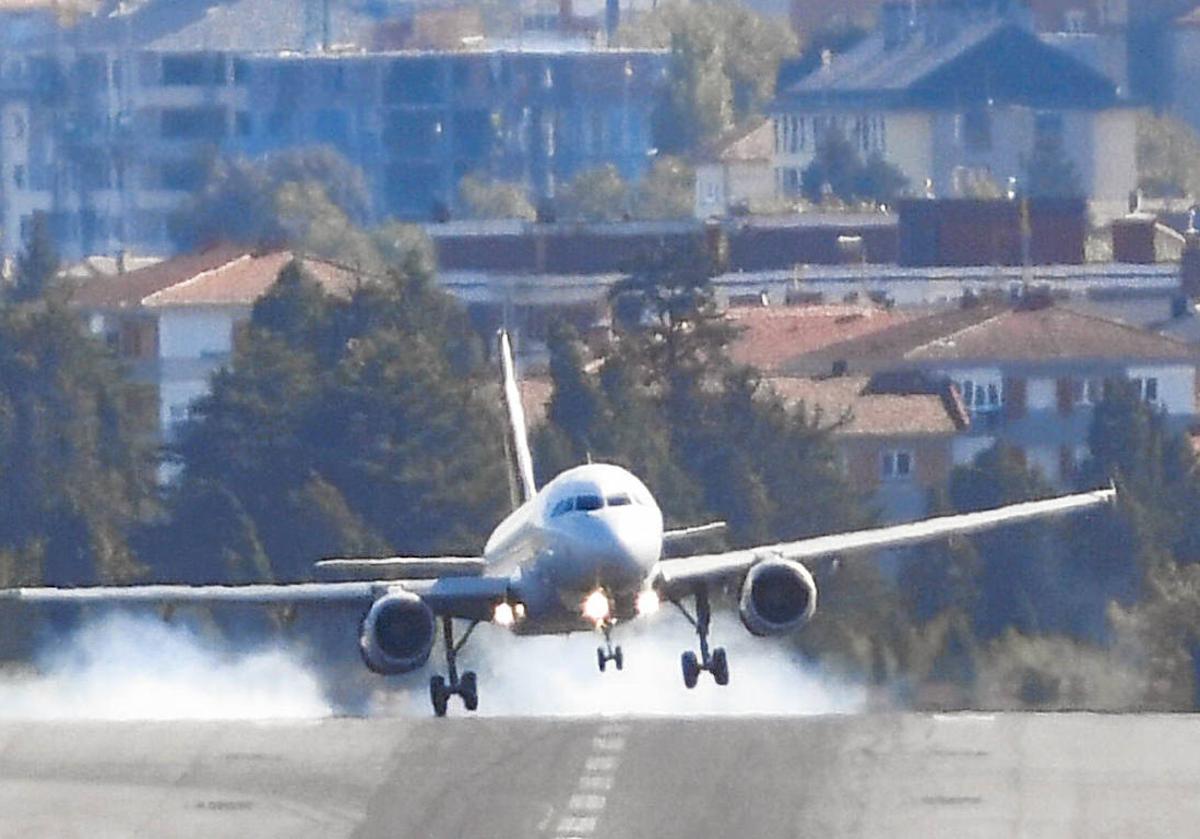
<point>1050,334</point>
<point>775,335</point>
<point>244,280</point>
<point>223,276</point>
<point>871,414</point>
<point>132,287</point>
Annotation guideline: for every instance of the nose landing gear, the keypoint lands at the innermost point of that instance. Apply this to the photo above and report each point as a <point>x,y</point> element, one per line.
<point>608,652</point>
<point>716,661</point>
<point>466,687</point>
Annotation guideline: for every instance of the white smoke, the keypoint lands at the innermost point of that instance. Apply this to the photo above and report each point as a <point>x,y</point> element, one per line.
<point>125,667</point>
<point>558,676</point>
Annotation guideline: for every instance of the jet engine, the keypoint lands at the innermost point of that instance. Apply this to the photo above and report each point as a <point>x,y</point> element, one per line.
<point>397,634</point>
<point>778,596</point>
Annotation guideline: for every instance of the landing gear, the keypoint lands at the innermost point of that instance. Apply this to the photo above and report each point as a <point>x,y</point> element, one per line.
<point>608,652</point>
<point>466,687</point>
<point>715,662</point>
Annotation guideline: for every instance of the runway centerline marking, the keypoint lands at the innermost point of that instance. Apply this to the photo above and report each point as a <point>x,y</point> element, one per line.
<point>601,783</point>
<point>577,825</point>
<point>587,803</point>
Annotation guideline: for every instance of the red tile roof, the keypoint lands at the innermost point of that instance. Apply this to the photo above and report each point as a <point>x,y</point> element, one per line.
<point>1050,334</point>
<point>774,335</point>
<point>868,414</point>
<point>129,289</point>
<point>223,276</point>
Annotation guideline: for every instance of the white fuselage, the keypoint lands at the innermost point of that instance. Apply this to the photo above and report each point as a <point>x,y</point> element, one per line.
<point>593,528</point>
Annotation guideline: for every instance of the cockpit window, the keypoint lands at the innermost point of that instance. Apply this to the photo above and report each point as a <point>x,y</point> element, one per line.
<point>620,499</point>
<point>588,502</point>
<point>564,506</point>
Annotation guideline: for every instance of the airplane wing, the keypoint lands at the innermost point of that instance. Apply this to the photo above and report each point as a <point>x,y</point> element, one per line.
<point>403,567</point>
<point>687,534</point>
<point>466,597</point>
<point>675,576</point>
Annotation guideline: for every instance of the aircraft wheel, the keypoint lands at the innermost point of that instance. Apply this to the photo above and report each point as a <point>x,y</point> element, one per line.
<point>619,658</point>
<point>438,695</point>
<point>469,690</point>
<point>691,669</point>
<point>601,659</point>
<point>720,666</point>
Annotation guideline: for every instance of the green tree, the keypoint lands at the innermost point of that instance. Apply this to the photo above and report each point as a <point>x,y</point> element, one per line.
<point>1049,173</point>
<point>485,198</point>
<point>355,424</point>
<point>38,263</point>
<point>839,171</point>
<point>76,467</point>
<point>667,191</point>
<point>240,200</point>
<point>1168,155</point>
<point>599,194</point>
<point>723,65</point>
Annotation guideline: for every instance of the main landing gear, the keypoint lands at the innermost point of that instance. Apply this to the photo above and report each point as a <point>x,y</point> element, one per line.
<point>466,687</point>
<point>608,652</point>
<point>715,662</point>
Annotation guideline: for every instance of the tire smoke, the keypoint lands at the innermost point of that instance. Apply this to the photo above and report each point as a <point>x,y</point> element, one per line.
<point>131,667</point>
<point>558,676</point>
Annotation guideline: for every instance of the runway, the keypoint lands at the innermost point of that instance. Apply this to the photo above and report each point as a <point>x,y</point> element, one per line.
<point>962,775</point>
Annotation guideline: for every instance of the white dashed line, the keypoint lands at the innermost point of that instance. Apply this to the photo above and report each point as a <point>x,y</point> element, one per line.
<point>596,783</point>
<point>601,763</point>
<point>575,825</point>
<point>587,803</point>
<point>584,803</point>
<point>608,744</point>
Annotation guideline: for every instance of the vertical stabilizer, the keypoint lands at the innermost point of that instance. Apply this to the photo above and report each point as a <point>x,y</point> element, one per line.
<point>520,461</point>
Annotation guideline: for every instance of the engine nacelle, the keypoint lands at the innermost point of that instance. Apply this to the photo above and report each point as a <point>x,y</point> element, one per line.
<point>778,596</point>
<point>397,634</point>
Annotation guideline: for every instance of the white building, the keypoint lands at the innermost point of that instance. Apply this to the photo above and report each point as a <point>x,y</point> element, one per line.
<point>175,323</point>
<point>961,104</point>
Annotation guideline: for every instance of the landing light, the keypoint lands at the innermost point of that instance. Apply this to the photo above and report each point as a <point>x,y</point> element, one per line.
<point>596,607</point>
<point>647,602</point>
<point>504,615</point>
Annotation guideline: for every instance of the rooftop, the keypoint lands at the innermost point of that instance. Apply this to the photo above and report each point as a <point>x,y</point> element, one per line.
<point>772,334</point>
<point>225,276</point>
<point>867,413</point>
<point>990,60</point>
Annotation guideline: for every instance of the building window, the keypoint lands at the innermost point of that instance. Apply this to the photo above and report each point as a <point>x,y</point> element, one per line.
<point>1048,131</point>
<point>976,130</point>
<point>18,176</point>
<point>981,397</point>
<point>1147,389</point>
<point>897,465</point>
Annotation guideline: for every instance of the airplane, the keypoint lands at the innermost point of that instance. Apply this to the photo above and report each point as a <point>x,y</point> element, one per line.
<point>585,552</point>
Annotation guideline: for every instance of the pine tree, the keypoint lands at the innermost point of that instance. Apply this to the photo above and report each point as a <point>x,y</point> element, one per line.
<point>38,262</point>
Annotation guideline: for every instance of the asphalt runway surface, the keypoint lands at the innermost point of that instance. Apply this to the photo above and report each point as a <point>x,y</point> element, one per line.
<point>954,775</point>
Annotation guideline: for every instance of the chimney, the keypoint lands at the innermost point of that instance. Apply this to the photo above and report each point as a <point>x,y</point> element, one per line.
<point>1189,265</point>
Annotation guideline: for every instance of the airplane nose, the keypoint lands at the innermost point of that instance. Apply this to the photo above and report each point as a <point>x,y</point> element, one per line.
<point>620,550</point>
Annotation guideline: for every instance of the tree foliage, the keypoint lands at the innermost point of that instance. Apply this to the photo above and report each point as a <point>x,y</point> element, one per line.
<point>667,191</point>
<point>838,171</point>
<point>708,437</point>
<point>1049,173</point>
<point>76,467</point>
<point>281,199</point>
<point>1168,155</point>
<point>598,194</point>
<point>346,426</point>
<point>38,262</point>
<point>722,70</point>
<point>485,198</point>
